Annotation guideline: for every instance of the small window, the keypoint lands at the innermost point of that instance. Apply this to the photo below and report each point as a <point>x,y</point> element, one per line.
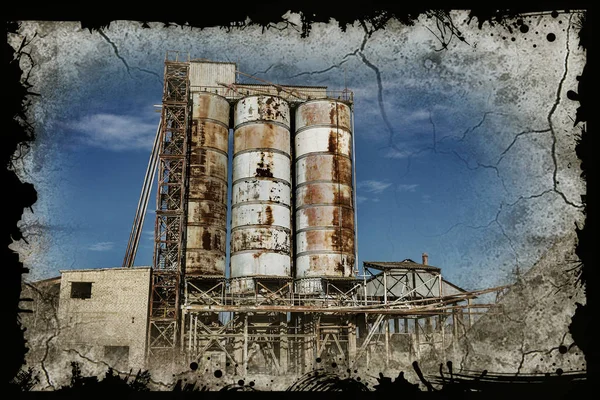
<point>117,356</point>
<point>81,290</point>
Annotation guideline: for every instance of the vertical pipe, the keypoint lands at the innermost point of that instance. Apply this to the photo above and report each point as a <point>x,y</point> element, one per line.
<point>196,334</point>
<point>283,343</point>
<point>469,312</point>
<point>352,339</point>
<point>190,335</point>
<point>354,192</point>
<point>384,287</point>
<point>387,343</point>
<point>454,326</point>
<point>245,353</point>
<point>417,338</point>
<point>182,337</point>
<point>443,321</point>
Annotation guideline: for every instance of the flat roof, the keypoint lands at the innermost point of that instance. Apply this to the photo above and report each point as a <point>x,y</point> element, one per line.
<point>104,269</point>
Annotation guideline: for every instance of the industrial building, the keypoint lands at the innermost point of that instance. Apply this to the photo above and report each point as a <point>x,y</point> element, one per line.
<point>291,296</point>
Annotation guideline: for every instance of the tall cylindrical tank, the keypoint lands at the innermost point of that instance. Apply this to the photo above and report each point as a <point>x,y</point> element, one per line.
<point>207,202</point>
<point>261,188</point>
<point>324,202</point>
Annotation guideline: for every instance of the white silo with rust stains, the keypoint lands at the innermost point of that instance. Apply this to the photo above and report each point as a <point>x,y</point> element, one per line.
<point>207,200</point>
<point>324,207</point>
<point>261,191</point>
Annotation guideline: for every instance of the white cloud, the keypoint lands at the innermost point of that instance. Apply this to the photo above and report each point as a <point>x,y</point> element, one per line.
<point>361,199</point>
<point>149,235</point>
<point>393,153</point>
<point>407,187</point>
<point>373,186</point>
<point>115,132</point>
<point>101,246</point>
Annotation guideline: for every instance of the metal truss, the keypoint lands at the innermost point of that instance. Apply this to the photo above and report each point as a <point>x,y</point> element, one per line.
<point>275,331</point>
<point>170,215</point>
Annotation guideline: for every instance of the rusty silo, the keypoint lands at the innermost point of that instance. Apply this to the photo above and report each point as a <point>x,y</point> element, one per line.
<point>261,188</point>
<point>324,228</point>
<point>207,206</point>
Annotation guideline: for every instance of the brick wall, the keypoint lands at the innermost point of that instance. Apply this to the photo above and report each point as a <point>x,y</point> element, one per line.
<point>115,315</point>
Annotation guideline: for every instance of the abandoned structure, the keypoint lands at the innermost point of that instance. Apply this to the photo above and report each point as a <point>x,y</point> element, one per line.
<point>291,295</point>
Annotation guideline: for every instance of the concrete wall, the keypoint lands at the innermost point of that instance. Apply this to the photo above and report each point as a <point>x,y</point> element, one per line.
<point>116,314</point>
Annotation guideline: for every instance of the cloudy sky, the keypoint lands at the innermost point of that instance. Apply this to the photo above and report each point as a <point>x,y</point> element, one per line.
<point>464,152</point>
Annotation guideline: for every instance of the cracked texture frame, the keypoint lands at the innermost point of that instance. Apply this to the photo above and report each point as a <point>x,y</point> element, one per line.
<point>465,148</point>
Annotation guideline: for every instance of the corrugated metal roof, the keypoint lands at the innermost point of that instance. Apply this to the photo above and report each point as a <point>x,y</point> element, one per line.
<point>405,264</point>
<point>283,86</point>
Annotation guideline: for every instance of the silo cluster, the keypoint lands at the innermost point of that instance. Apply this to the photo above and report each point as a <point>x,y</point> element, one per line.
<point>292,211</point>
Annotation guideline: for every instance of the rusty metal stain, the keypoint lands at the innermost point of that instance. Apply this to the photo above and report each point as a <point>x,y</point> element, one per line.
<point>319,265</point>
<point>208,134</point>
<point>326,183</point>
<point>204,188</point>
<point>263,168</point>
<point>271,238</point>
<point>323,112</point>
<point>260,136</point>
<point>261,189</point>
<point>323,139</point>
<point>206,162</point>
<point>333,216</point>
<point>201,262</point>
<point>324,193</point>
<point>327,167</point>
<point>207,195</point>
<point>260,237</point>
<point>201,212</point>
<point>206,238</point>
<point>341,240</point>
<point>210,106</point>
<point>265,108</point>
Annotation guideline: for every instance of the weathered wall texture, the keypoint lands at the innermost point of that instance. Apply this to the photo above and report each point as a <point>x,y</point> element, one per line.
<point>531,332</point>
<point>114,315</point>
<point>42,325</point>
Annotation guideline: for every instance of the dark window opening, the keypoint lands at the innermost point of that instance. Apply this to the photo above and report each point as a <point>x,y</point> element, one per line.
<point>81,290</point>
<point>117,356</point>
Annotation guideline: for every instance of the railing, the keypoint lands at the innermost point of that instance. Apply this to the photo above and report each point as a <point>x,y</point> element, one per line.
<point>238,91</point>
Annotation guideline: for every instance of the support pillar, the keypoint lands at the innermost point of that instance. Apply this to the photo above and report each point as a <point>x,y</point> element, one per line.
<point>387,342</point>
<point>245,358</point>
<point>417,339</point>
<point>283,343</point>
<point>352,340</point>
<point>469,311</point>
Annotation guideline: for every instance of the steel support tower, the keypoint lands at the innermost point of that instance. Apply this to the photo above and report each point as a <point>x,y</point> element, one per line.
<point>169,248</point>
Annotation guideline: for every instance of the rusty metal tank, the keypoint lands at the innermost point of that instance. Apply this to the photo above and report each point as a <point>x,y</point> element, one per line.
<point>261,189</point>
<point>207,202</point>
<point>324,207</point>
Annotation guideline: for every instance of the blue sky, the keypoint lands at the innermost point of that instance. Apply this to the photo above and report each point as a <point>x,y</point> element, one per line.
<point>455,160</point>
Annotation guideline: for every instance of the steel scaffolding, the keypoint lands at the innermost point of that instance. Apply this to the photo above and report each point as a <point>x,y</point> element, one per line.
<point>169,250</point>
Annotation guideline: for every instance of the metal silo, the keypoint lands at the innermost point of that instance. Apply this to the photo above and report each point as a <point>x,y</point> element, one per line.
<point>207,203</point>
<point>324,228</point>
<point>261,188</point>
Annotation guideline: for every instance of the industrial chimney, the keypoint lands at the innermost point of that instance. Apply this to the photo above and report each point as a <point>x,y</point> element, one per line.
<point>425,259</point>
